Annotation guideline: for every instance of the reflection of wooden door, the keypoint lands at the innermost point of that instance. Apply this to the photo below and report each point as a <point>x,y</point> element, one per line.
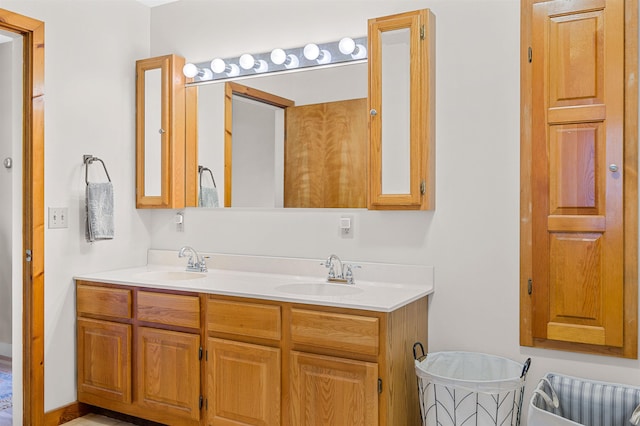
<point>326,155</point>
<point>578,65</point>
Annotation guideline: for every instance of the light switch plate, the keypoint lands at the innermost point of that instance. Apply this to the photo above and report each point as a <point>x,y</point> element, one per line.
<point>58,217</point>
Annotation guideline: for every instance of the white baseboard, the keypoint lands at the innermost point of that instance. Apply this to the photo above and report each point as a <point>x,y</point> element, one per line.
<point>5,349</point>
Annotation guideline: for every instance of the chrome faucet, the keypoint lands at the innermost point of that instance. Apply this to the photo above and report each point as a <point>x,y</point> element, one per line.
<point>344,272</point>
<point>193,265</point>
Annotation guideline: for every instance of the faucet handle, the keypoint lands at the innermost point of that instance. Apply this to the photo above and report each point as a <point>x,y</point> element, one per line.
<point>349,273</point>
<point>329,264</point>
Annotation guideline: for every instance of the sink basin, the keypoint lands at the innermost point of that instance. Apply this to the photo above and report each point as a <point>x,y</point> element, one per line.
<point>319,289</point>
<point>170,275</point>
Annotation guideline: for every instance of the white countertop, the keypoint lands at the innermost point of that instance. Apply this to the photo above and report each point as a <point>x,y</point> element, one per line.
<point>378,287</point>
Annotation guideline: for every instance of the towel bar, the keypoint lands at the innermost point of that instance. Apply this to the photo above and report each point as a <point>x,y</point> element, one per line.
<point>89,159</point>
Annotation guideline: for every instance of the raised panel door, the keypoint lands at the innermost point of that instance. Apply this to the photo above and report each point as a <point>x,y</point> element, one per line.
<point>243,384</point>
<point>168,372</point>
<point>330,391</point>
<point>577,246</point>
<point>104,360</point>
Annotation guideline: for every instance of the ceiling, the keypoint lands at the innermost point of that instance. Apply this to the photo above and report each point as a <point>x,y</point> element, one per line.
<point>153,3</point>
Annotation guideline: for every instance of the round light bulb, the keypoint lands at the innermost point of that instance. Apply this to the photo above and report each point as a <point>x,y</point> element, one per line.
<point>346,46</point>
<point>218,66</point>
<point>292,62</point>
<point>278,56</point>
<point>247,62</point>
<point>360,52</point>
<point>190,70</point>
<point>311,51</point>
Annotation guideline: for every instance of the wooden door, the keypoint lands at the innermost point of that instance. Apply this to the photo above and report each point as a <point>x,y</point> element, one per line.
<point>577,183</point>
<point>326,155</point>
<point>243,384</point>
<point>104,360</point>
<point>168,372</point>
<point>328,391</point>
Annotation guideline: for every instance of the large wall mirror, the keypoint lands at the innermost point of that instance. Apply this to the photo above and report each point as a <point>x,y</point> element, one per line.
<point>304,146</point>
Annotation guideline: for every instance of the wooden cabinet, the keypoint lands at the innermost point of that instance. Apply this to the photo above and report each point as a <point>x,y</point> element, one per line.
<point>264,362</point>
<point>160,132</point>
<point>402,111</point>
<point>333,391</point>
<point>579,273</point>
<point>244,367</point>
<point>168,372</point>
<point>243,383</point>
<point>312,365</point>
<point>104,359</point>
<point>139,352</point>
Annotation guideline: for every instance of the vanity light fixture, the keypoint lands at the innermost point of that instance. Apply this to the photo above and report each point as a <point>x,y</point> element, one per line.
<point>219,66</point>
<point>190,71</point>
<point>311,55</point>
<point>280,57</point>
<point>348,46</point>
<point>248,62</point>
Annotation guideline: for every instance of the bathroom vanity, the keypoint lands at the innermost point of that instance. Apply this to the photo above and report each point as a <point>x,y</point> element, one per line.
<point>251,346</point>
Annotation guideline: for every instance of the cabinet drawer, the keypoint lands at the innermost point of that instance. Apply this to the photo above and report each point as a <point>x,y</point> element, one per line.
<point>169,309</point>
<point>106,301</point>
<point>244,319</point>
<point>351,333</point>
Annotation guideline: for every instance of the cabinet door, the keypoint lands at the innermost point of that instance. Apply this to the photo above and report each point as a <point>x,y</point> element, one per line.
<point>332,391</point>
<point>577,185</point>
<point>160,133</point>
<point>243,384</point>
<point>104,360</point>
<point>168,372</point>
<point>401,111</point>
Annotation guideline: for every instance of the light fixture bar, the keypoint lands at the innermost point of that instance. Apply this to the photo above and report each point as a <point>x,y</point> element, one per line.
<point>279,60</point>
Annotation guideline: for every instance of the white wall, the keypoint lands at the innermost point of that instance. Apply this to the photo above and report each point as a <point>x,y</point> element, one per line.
<point>472,238</point>
<point>91,49</point>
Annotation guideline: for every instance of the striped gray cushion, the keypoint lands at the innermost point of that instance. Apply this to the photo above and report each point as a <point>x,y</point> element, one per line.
<point>592,403</point>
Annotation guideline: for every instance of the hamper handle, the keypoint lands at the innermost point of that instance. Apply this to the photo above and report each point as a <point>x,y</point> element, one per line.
<point>525,368</point>
<point>415,353</point>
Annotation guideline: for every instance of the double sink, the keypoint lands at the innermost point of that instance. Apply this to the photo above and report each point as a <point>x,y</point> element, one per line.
<point>304,288</point>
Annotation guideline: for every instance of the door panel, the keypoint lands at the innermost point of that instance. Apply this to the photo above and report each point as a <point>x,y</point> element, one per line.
<point>168,372</point>
<point>577,199</point>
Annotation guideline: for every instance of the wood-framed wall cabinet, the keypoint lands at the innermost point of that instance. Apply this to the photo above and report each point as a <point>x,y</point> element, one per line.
<point>160,133</point>
<point>402,111</point>
<point>579,223</point>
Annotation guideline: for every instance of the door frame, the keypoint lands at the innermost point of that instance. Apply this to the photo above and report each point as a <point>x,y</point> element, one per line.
<point>230,89</point>
<point>32,32</point>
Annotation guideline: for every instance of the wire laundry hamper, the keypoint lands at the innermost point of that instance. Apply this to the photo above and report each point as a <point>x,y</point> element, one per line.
<point>469,388</point>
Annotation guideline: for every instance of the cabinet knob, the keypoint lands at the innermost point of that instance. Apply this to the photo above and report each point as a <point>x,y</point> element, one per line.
<point>373,112</point>
<point>161,131</point>
<point>613,167</point>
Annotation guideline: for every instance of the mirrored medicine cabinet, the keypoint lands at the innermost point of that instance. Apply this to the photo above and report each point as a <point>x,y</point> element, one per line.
<point>359,135</point>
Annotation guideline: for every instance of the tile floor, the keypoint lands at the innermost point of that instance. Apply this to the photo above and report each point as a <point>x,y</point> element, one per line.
<point>96,420</point>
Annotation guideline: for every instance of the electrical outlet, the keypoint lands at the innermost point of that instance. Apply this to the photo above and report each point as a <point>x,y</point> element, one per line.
<point>58,217</point>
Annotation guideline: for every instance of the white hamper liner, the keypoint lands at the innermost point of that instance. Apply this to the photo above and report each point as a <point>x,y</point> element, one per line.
<point>561,400</point>
<point>469,388</point>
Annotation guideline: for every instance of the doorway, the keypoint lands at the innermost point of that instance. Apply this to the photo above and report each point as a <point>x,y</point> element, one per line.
<point>31,247</point>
